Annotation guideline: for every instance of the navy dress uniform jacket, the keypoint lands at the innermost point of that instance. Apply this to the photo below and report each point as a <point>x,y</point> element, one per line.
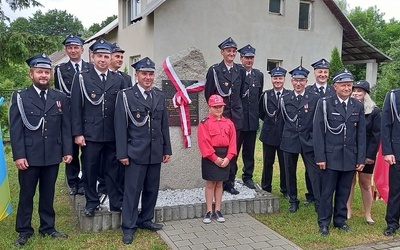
<point>234,81</point>
<point>338,151</point>
<point>390,129</point>
<point>297,136</point>
<point>48,144</point>
<point>329,90</point>
<point>142,144</point>
<point>271,131</point>
<point>67,71</point>
<point>253,87</point>
<point>95,122</point>
<point>127,78</point>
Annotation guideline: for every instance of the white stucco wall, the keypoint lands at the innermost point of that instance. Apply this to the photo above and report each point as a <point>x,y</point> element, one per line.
<point>179,24</point>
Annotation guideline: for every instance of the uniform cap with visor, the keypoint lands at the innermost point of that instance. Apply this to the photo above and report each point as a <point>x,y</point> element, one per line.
<point>215,100</point>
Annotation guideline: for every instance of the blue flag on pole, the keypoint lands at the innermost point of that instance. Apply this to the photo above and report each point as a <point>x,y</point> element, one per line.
<point>5,199</point>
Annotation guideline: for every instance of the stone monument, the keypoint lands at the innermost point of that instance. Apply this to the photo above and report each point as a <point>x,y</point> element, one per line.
<point>184,169</point>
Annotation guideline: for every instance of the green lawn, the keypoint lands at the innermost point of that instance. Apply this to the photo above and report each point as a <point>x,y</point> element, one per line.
<point>300,227</point>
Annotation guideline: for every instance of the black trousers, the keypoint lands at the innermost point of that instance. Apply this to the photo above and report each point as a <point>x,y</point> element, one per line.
<point>72,170</point>
<point>139,180</point>
<point>233,167</point>
<point>335,189</point>
<point>393,206</point>
<point>95,154</point>
<point>247,141</point>
<point>310,193</point>
<point>269,153</point>
<point>28,179</point>
<point>291,178</point>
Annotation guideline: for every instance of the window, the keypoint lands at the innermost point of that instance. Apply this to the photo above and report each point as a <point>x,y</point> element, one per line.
<point>304,15</point>
<point>134,9</point>
<point>271,64</point>
<point>275,6</point>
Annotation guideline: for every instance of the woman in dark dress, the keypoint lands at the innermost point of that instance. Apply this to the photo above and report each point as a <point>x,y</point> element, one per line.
<point>217,143</point>
<point>373,121</point>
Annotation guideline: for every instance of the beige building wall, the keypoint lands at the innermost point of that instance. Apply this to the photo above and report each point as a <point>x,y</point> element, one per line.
<point>179,24</point>
<point>273,36</point>
<point>136,39</point>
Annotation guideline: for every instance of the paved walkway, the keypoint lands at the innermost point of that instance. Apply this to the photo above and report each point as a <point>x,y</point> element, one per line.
<point>393,244</point>
<point>240,231</point>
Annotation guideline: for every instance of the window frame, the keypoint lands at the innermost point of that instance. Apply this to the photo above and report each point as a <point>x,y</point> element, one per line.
<point>281,7</point>
<point>277,63</point>
<point>309,3</point>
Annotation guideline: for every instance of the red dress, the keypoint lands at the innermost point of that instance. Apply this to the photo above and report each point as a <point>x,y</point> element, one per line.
<point>216,138</point>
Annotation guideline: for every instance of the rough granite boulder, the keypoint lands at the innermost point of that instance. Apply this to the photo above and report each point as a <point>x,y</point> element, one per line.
<point>184,169</point>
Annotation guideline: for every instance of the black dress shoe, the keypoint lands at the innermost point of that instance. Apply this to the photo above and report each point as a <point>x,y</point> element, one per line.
<point>55,234</point>
<point>21,240</point>
<point>232,190</point>
<point>72,191</point>
<point>324,230</point>
<point>249,183</point>
<point>127,238</point>
<point>81,191</point>
<point>344,227</point>
<point>389,231</point>
<point>293,207</point>
<point>152,226</point>
<point>89,212</point>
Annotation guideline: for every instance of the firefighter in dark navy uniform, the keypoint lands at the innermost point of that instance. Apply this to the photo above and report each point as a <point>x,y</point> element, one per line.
<point>340,150</point>
<point>93,96</point>
<point>40,133</point>
<point>390,135</point>
<point>298,108</point>
<point>63,78</point>
<point>143,143</point>
<point>117,59</point>
<point>271,131</point>
<point>321,74</point>
<point>253,87</point>
<point>321,86</point>
<point>227,80</point>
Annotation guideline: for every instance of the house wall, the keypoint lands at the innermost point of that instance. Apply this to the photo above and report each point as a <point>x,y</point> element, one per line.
<point>136,39</point>
<point>177,26</point>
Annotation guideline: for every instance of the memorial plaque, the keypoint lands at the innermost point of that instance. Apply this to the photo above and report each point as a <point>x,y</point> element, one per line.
<point>173,113</point>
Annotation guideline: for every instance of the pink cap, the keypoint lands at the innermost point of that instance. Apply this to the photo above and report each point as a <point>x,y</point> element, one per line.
<point>216,100</point>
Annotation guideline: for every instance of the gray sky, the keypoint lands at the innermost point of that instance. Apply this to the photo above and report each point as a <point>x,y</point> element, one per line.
<point>389,7</point>
<point>96,11</point>
<point>87,11</point>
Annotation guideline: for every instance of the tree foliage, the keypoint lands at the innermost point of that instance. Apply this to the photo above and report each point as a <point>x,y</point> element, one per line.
<point>390,76</point>
<point>97,27</point>
<point>336,63</point>
<point>55,23</point>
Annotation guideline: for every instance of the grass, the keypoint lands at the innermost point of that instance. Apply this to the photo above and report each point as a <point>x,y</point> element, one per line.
<point>300,227</point>
<point>66,222</point>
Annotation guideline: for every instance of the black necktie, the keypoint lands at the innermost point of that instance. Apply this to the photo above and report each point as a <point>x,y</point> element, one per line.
<point>344,106</point>
<point>148,99</point>
<point>43,97</point>
<point>321,91</point>
<point>278,94</point>
<point>103,78</point>
<point>76,67</point>
<point>299,97</point>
